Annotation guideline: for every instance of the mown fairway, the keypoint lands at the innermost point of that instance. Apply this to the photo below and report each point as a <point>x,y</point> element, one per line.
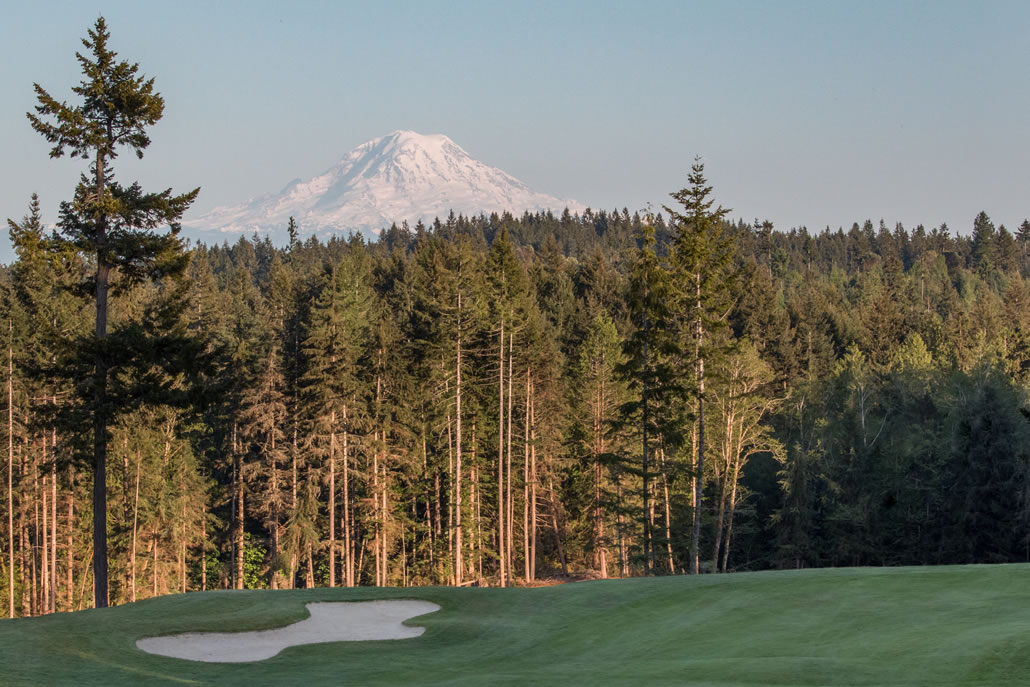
<point>966,625</point>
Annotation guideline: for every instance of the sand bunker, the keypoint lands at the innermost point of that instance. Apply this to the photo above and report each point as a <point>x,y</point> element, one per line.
<point>349,621</point>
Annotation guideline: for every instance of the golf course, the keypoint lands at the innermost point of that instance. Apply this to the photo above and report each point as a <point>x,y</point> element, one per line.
<point>954,625</point>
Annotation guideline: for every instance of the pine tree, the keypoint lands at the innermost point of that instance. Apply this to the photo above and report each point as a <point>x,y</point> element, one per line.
<point>111,224</point>
<point>600,394</point>
<point>703,268</point>
<point>334,393</point>
<point>650,369</point>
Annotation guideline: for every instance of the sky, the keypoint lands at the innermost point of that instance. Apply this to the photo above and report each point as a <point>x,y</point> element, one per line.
<point>814,114</point>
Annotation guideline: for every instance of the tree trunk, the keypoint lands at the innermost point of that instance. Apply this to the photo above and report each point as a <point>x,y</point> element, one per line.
<point>600,557</point>
<point>620,531</point>
<point>53,523</point>
<point>452,561</point>
<point>459,567</point>
<point>43,524</point>
<point>382,541</point>
<point>559,534</point>
<point>70,568</point>
<point>295,554</point>
<point>100,403</point>
<point>275,518</point>
<point>348,560</point>
<point>698,479</point>
<point>203,547</point>
<point>532,488</point>
<point>500,463</point>
<point>332,498</point>
<point>10,474</point>
<point>240,536</point>
<point>511,506</point>
<point>375,506</point>
<point>525,486</point>
<point>646,488</point>
<point>135,522</point>
<point>732,511</point>
<point>668,513</point>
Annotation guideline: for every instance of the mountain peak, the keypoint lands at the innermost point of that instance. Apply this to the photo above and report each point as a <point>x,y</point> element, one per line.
<point>402,176</point>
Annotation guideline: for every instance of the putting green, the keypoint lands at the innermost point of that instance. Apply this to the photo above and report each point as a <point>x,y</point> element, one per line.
<point>963,625</point>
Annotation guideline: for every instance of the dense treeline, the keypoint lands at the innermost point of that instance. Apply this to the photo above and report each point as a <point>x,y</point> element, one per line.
<point>467,403</point>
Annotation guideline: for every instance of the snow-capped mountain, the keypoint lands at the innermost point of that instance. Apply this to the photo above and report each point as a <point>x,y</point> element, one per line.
<point>398,177</point>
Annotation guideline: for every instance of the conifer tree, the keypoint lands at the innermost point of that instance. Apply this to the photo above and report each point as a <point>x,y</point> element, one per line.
<point>111,224</point>
<point>334,343</point>
<point>702,262</point>
<point>600,394</point>
<point>508,289</point>
<point>650,368</point>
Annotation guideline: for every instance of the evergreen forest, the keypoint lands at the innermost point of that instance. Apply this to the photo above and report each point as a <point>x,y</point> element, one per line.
<point>493,400</point>
<point>469,402</point>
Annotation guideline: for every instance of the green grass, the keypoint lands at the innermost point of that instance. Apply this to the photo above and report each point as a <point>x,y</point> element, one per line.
<point>964,625</point>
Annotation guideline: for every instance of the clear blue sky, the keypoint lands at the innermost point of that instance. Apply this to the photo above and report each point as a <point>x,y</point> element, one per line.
<point>806,113</point>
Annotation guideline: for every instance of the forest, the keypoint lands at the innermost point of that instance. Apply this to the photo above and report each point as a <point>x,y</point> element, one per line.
<point>491,400</point>
<point>467,403</point>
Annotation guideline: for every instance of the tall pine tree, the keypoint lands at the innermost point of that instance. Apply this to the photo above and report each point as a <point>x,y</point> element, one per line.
<point>111,224</point>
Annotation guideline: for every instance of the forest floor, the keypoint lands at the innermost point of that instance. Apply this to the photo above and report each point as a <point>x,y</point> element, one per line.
<point>954,625</point>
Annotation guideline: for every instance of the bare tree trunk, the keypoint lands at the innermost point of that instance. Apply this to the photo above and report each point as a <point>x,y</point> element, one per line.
<point>295,554</point>
<point>70,568</point>
<point>348,555</point>
<point>700,462</point>
<point>53,524</point>
<point>559,534</point>
<point>620,530</point>
<point>44,580</point>
<point>732,511</point>
<point>182,566</point>
<point>10,474</point>
<point>525,486</point>
<point>452,575</point>
<point>361,554</point>
<point>240,537</point>
<point>459,567</point>
<point>532,488</point>
<point>511,505</point>
<point>404,557</point>
<point>203,547</point>
<point>275,518</point>
<point>332,498</point>
<point>86,574</point>
<point>477,495</point>
<point>646,488</point>
<point>668,512</point>
<point>500,464</point>
<point>28,592</point>
<point>99,409</point>
<point>375,506</point>
<point>599,546</point>
<point>382,540</point>
<point>135,523</point>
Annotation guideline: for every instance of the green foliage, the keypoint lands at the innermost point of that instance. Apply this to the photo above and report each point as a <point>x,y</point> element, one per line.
<point>254,566</point>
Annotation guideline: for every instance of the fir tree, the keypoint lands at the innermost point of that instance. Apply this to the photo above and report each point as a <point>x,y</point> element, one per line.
<point>703,268</point>
<point>109,223</point>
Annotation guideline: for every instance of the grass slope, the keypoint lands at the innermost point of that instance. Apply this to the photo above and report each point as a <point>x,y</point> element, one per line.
<point>964,625</point>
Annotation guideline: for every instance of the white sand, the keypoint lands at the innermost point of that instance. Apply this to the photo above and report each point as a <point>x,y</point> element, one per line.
<point>352,621</point>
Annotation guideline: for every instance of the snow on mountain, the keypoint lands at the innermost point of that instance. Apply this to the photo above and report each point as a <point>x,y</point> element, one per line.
<point>401,176</point>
